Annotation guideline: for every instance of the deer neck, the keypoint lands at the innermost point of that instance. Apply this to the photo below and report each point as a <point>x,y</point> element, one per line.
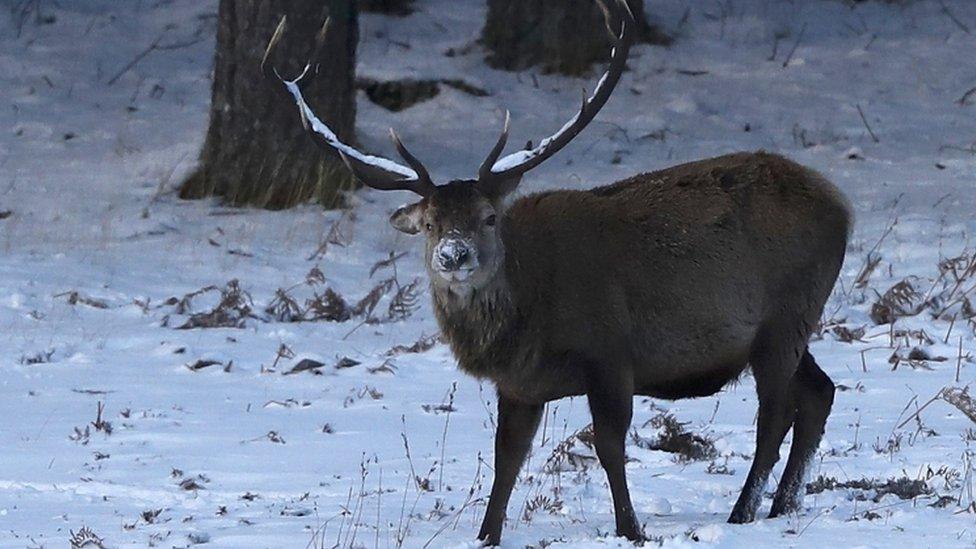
<point>479,325</point>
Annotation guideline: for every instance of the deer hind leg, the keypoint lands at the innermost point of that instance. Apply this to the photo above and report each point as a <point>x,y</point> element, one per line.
<point>774,360</point>
<point>517,424</point>
<point>814,394</point>
<point>611,405</point>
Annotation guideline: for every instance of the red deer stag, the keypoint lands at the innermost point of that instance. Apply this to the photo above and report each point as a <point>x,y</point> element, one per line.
<point>667,284</point>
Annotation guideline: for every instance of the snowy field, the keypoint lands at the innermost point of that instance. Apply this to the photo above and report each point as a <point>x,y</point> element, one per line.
<point>115,419</point>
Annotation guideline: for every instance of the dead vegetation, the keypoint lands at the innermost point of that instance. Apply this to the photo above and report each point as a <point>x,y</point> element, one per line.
<point>900,300</point>
<point>551,505</point>
<point>75,298</point>
<point>235,306</point>
<point>203,363</point>
<point>872,489</point>
<point>306,365</point>
<point>329,305</point>
<point>232,311</point>
<point>189,483</point>
<point>397,95</point>
<point>85,538</point>
<point>960,398</point>
<point>956,396</point>
<point>424,344</point>
<point>40,357</point>
<point>949,293</point>
<point>673,438</point>
<point>83,436</point>
<point>575,453</point>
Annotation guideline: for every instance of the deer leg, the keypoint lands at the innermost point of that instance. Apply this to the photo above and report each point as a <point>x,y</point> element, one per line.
<point>517,424</point>
<point>814,392</point>
<point>611,405</point>
<point>773,363</point>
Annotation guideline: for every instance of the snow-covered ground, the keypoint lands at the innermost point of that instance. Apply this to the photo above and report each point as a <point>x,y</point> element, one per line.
<point>395,447</point>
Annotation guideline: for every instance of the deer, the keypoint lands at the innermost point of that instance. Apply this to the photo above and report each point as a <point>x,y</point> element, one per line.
<point>669,284</point>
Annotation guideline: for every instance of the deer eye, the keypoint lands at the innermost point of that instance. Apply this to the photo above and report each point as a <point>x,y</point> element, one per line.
<point>490,221</point>
<point>429,227</point>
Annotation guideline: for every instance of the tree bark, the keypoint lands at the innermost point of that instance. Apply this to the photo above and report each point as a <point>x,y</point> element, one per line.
<point>564,36</point>
<point>256,151</point>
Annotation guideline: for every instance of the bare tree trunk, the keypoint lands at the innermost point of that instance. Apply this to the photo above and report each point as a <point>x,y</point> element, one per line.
<point>256,151</point>
<point>564,36</point>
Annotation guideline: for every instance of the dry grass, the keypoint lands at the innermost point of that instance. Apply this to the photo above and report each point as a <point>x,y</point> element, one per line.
<point>675,439</point>
<point>424,344</point>
<point>233,310</point>
<point>575,453</point>
<point>960,398</point>
<point>236,306</point>
<point>865,489</point>
<point>85,538</point>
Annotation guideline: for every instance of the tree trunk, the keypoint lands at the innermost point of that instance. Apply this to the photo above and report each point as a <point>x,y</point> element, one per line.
<point>564,36</point>
<point>256,151</point>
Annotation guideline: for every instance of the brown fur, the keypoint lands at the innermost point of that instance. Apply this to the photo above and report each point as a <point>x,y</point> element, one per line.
<point>667,275</point>
<point>667,284</point>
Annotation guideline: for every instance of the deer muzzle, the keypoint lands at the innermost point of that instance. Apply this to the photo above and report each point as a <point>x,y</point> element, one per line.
<point>454,258</point>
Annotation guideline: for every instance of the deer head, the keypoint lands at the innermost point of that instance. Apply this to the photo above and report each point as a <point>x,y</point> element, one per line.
<point>461,218</point>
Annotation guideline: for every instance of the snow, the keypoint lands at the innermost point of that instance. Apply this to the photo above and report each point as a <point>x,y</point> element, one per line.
<point>237,454</point>
<point>521,157</point>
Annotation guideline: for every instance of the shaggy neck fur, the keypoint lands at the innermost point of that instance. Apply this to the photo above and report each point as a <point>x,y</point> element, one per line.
<point>479,325</point>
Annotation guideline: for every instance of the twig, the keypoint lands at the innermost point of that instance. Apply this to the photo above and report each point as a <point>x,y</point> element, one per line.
<point>139,57</point>
<point>953,18</point>
<point>379,496</point>
<point>919,411</point>
<point>818,515</point>
<point>959,360</point>
<point>447,422</point>
<point>772,56</point>
<point>789,56</point>
<point>952,323</point>
<point>448,522</point>
<point>151,48</point>
<point>970,149</point>
<point>964,100</point>
<point>866,125</point>
<point>868,258</point>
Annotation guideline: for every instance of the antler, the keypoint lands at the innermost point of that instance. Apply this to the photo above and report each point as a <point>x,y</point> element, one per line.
<point>373,171</point>
<point>500,176</point>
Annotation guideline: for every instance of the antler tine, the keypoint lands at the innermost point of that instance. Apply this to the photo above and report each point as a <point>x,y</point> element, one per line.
<point>373,171</point>
<point>484,172</point>
<point>513,166</point>
<point>411,160</point>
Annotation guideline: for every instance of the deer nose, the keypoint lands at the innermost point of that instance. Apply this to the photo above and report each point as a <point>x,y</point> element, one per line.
<point>453,254</point>
<point>453,258</point>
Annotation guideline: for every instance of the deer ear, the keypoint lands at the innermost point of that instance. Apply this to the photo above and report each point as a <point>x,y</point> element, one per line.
<point>408,219</point>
